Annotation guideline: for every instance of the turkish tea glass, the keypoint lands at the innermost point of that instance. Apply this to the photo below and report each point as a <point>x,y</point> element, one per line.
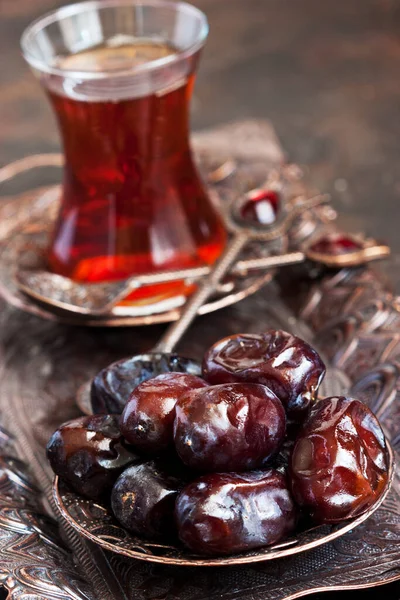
<point>119,75</point>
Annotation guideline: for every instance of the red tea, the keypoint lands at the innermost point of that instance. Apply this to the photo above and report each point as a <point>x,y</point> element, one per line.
<point>132,201</point>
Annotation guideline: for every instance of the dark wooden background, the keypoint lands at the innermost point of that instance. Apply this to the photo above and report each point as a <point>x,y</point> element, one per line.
<point>326,73</point>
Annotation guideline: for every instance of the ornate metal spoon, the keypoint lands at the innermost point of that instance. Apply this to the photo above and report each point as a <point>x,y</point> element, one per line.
<point>98,299</point>
<point>161,358</point>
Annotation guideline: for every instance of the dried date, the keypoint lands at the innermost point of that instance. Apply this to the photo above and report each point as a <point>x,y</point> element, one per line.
<point>112,386</point>
<point>226,513</point>
<point>339,461</point>
<point>148,418</point>
<point>290,367</point>
<point>232,427</point>
<point>143,498</point>
<point>89,453</point>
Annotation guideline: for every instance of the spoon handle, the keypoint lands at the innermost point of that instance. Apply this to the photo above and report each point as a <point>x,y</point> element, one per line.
<point>206,287</point>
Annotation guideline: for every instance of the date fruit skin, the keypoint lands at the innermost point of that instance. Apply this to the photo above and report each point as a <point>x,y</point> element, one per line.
<point>148,418</point>
<point>143,498</point>
<point>231,427</point>
<point>89,453</point>
<point>226,513</point>
<point>290,367</point>
<point>112,386</point>
<point>339,464</point>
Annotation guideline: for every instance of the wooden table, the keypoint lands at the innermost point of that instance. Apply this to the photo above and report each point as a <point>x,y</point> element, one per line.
<point>325,73</point>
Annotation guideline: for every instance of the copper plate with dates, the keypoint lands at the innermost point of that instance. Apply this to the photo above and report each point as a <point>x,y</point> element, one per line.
<point>96,522</point>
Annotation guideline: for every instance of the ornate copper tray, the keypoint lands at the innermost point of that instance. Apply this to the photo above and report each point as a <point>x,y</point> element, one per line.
<point>96,522</point>
<point>350,315</point>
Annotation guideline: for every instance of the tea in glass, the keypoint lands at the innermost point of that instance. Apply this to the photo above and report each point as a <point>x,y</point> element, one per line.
<point>120,76</point>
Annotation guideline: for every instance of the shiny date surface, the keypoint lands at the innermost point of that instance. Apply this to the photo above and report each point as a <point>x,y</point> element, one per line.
<point>148,418</point>
<point>339,462</point>
<point>143,498</point>
<point>112,386</point>
<point>232,427</point>
<point>290,367</point>
<point>89,453</point>
<point>230,512</point>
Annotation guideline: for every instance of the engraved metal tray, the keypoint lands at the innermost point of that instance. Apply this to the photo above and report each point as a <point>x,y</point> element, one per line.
<point>96,522</point>
<point>352,318</point>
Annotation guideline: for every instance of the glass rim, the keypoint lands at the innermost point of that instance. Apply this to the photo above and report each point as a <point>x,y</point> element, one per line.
<point>80,7</point>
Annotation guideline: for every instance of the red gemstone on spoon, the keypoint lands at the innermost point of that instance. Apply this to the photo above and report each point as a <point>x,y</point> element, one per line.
<point>261,207</point>
<point>335,244</point>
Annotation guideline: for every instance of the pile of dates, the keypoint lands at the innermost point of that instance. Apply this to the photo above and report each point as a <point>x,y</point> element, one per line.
<point>232,460</point>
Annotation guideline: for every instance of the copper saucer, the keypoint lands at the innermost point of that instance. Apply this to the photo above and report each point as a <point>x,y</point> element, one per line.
<point>95,522</point>
<point>26,222</point>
